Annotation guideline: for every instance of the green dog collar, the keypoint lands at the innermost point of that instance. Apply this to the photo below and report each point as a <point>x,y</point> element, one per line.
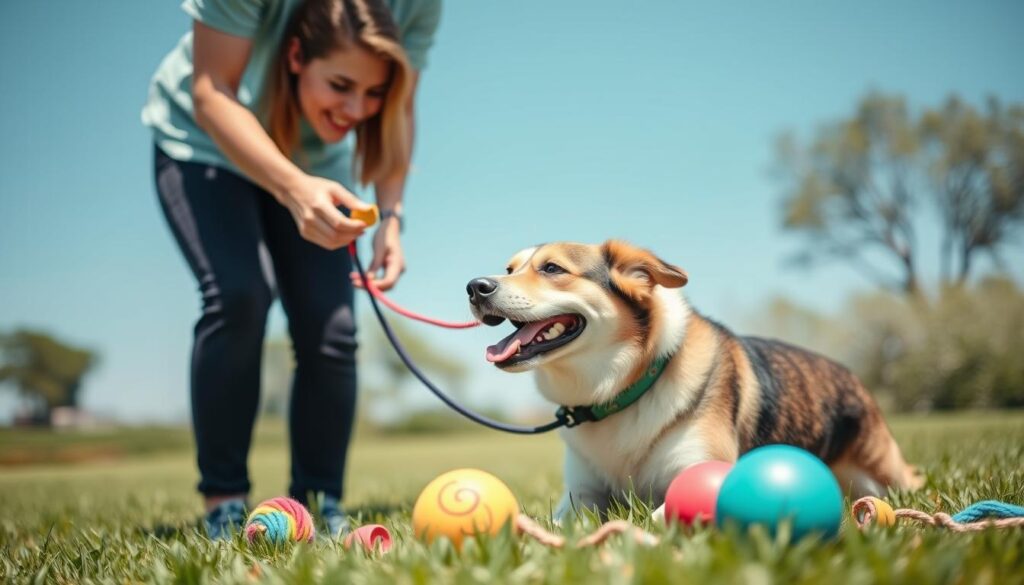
<point>574,415</point>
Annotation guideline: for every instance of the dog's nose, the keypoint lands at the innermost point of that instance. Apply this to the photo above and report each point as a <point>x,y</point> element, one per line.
<point>481,288</point>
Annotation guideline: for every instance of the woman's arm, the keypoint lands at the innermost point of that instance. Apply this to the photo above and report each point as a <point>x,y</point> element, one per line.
<point>389,192</point>
<point>219,60</point>
<point>387,248</point>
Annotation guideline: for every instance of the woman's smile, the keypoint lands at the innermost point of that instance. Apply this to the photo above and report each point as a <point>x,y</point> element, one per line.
<point>341,89</point>
<point>338,123</point>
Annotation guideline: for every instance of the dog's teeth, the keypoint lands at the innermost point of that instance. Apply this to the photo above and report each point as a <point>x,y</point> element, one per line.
<point>554,331</point>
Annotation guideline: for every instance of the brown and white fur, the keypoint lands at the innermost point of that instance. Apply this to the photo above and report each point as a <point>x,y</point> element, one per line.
<point>719,396</point>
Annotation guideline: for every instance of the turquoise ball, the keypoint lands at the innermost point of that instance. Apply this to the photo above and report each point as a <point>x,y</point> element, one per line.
<point>771,484</point>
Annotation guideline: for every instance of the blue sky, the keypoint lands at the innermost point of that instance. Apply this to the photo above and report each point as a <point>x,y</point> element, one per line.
<point>538,121</point>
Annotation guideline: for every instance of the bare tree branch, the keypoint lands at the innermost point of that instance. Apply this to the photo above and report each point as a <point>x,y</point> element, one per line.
<point>858,185</point>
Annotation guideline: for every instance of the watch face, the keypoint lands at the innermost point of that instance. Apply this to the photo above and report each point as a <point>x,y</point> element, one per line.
<point>388,213</point>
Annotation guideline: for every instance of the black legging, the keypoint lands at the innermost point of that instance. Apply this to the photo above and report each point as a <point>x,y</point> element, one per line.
<point>221,221</point>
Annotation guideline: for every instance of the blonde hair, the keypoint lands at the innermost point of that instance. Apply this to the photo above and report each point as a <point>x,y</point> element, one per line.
<point>322,27</point>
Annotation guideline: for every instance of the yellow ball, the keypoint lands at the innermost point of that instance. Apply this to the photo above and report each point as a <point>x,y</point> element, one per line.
<point>461,503</point>
<point>884,515</point>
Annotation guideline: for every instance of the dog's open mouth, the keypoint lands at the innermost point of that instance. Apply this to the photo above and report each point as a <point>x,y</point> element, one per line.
<point>534,338</point>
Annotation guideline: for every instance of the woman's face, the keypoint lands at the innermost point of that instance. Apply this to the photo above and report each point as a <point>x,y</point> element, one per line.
<point>339,90</point>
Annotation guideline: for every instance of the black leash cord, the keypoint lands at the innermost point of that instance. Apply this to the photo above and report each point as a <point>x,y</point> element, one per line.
<point>477,418</point>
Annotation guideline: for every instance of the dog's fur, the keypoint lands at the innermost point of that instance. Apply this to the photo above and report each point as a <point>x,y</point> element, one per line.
<point>719,396</point>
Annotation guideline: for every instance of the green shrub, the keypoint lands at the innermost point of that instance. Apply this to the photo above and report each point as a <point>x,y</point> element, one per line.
<point>962,347</point>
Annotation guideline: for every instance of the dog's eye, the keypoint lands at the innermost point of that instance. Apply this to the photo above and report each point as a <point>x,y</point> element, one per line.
<point>552,268</point>
<point>508,270</point>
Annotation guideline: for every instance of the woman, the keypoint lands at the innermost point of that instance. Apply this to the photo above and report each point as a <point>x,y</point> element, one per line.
<point>250,115</point>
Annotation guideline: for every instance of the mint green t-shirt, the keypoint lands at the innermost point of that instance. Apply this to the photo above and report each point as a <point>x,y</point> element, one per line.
<point>168,111</point>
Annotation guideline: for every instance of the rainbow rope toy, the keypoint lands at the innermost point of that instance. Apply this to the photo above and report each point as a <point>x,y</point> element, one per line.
<point>280,520</point>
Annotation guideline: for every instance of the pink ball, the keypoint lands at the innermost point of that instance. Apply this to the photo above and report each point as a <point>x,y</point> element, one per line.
<point>692,495</point>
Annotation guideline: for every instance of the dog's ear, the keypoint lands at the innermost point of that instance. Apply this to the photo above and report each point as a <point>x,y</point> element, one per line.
<point>636,271</point>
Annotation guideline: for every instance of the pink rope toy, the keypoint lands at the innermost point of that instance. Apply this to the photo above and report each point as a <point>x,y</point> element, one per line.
<point>531,528</point>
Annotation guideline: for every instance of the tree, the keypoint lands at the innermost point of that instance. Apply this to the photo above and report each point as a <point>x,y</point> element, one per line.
<point>857,190</point>
<point>977,165</point>
<point>47,372</point>
<point>424,352</point>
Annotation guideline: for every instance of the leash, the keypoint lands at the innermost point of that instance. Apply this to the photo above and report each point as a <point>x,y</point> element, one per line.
<point>563,418</point>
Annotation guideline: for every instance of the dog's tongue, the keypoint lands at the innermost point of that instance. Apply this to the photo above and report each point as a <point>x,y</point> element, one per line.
<point>508,347</point>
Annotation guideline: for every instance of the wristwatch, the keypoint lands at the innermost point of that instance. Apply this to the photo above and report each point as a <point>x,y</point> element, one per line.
<point>387,213</point>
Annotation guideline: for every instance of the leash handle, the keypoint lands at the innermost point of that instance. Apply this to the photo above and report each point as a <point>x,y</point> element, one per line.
<point>560,420</point>
<point>379,295</point>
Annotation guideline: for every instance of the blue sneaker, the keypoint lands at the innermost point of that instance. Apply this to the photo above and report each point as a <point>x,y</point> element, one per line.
<point>333,520</point>
<point>225,520</point>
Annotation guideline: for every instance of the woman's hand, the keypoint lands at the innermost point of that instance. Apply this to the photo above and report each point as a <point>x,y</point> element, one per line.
<point>313,203</point>
<point>387,257</point>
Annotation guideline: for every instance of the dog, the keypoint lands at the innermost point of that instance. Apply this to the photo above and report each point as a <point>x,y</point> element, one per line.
<point>593,320</point>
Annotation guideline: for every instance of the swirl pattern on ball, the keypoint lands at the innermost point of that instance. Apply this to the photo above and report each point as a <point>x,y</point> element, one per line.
<point>280,520</point>
<point>460,503</point>
<point>453,493</point>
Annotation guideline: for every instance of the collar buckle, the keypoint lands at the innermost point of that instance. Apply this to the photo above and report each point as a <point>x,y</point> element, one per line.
<point>573,416</point>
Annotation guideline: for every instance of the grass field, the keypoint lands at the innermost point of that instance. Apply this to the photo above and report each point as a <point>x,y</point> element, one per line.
<point>131,516</point>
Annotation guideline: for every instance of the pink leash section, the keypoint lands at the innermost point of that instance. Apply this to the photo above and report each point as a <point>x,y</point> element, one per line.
<point>379,295</point>
<point>562,418</point>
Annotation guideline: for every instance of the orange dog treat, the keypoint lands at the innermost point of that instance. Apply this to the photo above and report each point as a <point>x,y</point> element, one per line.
<point>368,216</point>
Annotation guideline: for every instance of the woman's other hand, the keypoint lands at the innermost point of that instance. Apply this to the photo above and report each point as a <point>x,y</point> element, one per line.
<point>387,257</point>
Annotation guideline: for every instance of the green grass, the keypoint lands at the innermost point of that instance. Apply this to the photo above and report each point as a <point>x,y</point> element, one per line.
<point>133,518</point>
